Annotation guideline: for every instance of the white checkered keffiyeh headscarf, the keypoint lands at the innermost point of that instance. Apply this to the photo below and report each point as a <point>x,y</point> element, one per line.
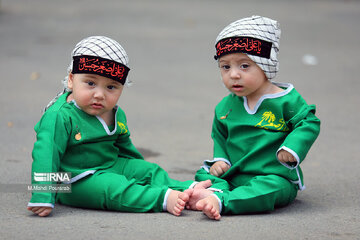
<point>255,28</point>
<point>98,46</point>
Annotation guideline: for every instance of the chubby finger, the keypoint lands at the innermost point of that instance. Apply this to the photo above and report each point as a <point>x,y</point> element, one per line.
<point>45,212</point>
<point>40,210</point>
<point>213,171</point>
<point>34,209</point>
<point>225,167</point>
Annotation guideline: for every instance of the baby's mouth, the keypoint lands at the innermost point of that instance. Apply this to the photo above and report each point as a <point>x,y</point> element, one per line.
<point>97,105</point>
<point>237,87</point>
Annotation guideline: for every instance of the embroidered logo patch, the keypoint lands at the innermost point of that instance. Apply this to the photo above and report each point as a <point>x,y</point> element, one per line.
<point>269,122</point>
<point>122,126</point>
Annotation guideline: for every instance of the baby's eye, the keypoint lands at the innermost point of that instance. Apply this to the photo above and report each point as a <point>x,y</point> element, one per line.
<point>111,87</point>
<point>244,66</point>
<point>225,67</point>
<point>90,83</point>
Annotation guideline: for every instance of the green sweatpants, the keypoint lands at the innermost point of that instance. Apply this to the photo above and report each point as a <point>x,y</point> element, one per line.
<point>131,185</point>
<point>251,193</point>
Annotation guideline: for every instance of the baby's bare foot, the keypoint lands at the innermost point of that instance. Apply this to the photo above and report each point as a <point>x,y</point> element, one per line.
<point>210,207</point>
<point>176,201</point>
<point>199,194</point>
<point>196,196</point>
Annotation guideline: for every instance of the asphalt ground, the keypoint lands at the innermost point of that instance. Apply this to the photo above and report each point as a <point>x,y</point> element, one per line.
<point>170,108</point>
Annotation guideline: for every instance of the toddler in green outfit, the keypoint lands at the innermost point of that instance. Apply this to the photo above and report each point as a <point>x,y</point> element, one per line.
<point>262,130</point>
<point>84,132</point>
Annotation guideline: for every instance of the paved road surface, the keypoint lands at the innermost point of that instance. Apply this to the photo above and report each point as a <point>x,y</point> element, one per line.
<point>170,108</point>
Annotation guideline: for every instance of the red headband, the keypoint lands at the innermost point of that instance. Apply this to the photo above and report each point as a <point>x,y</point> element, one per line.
<point>100,66</point>
<point>249,45</point>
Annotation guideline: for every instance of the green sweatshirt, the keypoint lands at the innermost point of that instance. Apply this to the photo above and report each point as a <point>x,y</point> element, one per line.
<point>248,140</point>
<point>70,140</point>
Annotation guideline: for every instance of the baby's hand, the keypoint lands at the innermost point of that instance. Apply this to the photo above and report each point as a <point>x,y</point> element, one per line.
<point>41,211</point>
<point>219,168</point>
<point>285,156</point>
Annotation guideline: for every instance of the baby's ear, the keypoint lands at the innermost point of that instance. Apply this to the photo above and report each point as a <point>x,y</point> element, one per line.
<point>70,81</point>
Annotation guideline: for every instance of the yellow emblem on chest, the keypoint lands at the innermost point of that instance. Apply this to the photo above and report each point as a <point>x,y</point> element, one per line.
<point>122,126</point>
<point>269,122</point>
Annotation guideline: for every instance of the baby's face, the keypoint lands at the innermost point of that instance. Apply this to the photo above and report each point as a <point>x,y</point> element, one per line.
<point>241,75</point>
<point>94,94</point>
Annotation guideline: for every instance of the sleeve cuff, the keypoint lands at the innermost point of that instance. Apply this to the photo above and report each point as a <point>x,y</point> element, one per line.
<point>209,163</point>
<point>292,153</point>
<point>165,199</point>
<point>40,205</point>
